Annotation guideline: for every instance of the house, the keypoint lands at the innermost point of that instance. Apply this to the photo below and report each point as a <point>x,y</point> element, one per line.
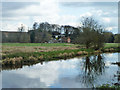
<point>68,40</point>
<point>65,39</point>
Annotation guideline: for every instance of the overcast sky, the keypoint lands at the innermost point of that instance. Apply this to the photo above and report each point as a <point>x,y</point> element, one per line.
<point>58,12</point>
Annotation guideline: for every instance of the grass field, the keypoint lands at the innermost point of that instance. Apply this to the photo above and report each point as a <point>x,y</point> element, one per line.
<point>35,47</point>
<point>38,44</point>
<point>43,47</point>
<point>53,44</point>
<point>109,45</point>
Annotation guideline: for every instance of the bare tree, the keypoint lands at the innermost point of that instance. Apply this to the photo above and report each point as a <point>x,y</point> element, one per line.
<point>35,25</point>
<point>21,28</point>
<point>92,33</point>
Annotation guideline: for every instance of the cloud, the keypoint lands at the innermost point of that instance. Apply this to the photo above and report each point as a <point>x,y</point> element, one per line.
<point>57,19</point>
<point>68,20</point>
<point>16,5</point>
<point>107,20</point>
<point>87,14</point>
<point>18,18</point>
<point>89,4</point>
<point>11,9</point>
<point>61,0</point>
<point>13,27</point>
<point>58,12</point>
<point>46,10</point>
<point>111,28</point>
<point>45,7</point>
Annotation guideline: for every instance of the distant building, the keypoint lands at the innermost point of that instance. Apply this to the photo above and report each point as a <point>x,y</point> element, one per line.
<point>68,40</point>
<point>65,39</point>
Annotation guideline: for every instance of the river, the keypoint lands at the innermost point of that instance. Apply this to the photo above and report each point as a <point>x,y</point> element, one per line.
<point>79,72</point>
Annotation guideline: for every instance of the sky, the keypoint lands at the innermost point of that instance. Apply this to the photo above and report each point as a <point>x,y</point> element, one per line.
<point>62,12</point>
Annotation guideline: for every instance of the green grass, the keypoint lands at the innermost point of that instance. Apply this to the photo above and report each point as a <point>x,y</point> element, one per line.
<point>108,86</point>
<point>38,44</point>
<point>107,45</point>
<point>110,45</point>
<point>45,54</point>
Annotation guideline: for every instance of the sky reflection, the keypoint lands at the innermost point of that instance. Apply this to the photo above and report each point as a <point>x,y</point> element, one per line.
<point>73,73</point>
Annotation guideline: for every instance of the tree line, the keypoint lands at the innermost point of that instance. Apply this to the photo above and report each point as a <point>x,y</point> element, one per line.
<point>90,33</point>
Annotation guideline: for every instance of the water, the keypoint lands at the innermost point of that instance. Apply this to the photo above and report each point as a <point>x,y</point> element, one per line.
<point>80,72</point>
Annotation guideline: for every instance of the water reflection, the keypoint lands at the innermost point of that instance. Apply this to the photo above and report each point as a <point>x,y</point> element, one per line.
<point>18,66</point>
<point>71,73</point>
<point>117,75</point>
<point>93,66</point>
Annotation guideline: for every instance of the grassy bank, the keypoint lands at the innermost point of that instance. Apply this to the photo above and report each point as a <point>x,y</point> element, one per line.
<point>23,53</point>
<point>24,58</point>
<point>108,86</point>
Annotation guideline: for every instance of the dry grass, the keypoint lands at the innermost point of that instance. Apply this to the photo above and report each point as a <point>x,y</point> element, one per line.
<point>16,49</point>
<point>12,60</point>
<point>32,58</point>
<point>65,55</point>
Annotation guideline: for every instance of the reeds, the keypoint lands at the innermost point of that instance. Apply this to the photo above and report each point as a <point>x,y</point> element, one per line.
<point>65,55</point>
<point>15,60</point>
<point>35,57</point>
<point>111,50</point>
<point>31,58</point>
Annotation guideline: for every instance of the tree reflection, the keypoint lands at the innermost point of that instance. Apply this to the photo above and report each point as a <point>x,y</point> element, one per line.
<point>118,75</point>
<point>118,72</point>
<point>93,67</point>
<point>18,66</point>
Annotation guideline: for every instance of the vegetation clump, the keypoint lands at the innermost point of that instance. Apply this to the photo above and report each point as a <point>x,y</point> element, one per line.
<point>31,58</point>
<point>15,60</point>
<point>108,86</point>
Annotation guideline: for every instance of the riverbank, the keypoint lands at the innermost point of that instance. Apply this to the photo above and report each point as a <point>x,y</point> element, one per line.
<point>35,57</point>
<point>36,54</point>
<point>108,86</point>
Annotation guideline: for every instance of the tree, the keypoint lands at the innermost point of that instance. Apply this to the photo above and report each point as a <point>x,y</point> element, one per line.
<point>45,26</point>
<point>67,30</point>
<point>46,37</point>
<point>109,37</point>
<point>21,28</point>
<point>32,36</point>
<point>117,38</point>
<point>92,33</point>
<point>35,25</point>
<point>39,36</point>
<point>75,35</point>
